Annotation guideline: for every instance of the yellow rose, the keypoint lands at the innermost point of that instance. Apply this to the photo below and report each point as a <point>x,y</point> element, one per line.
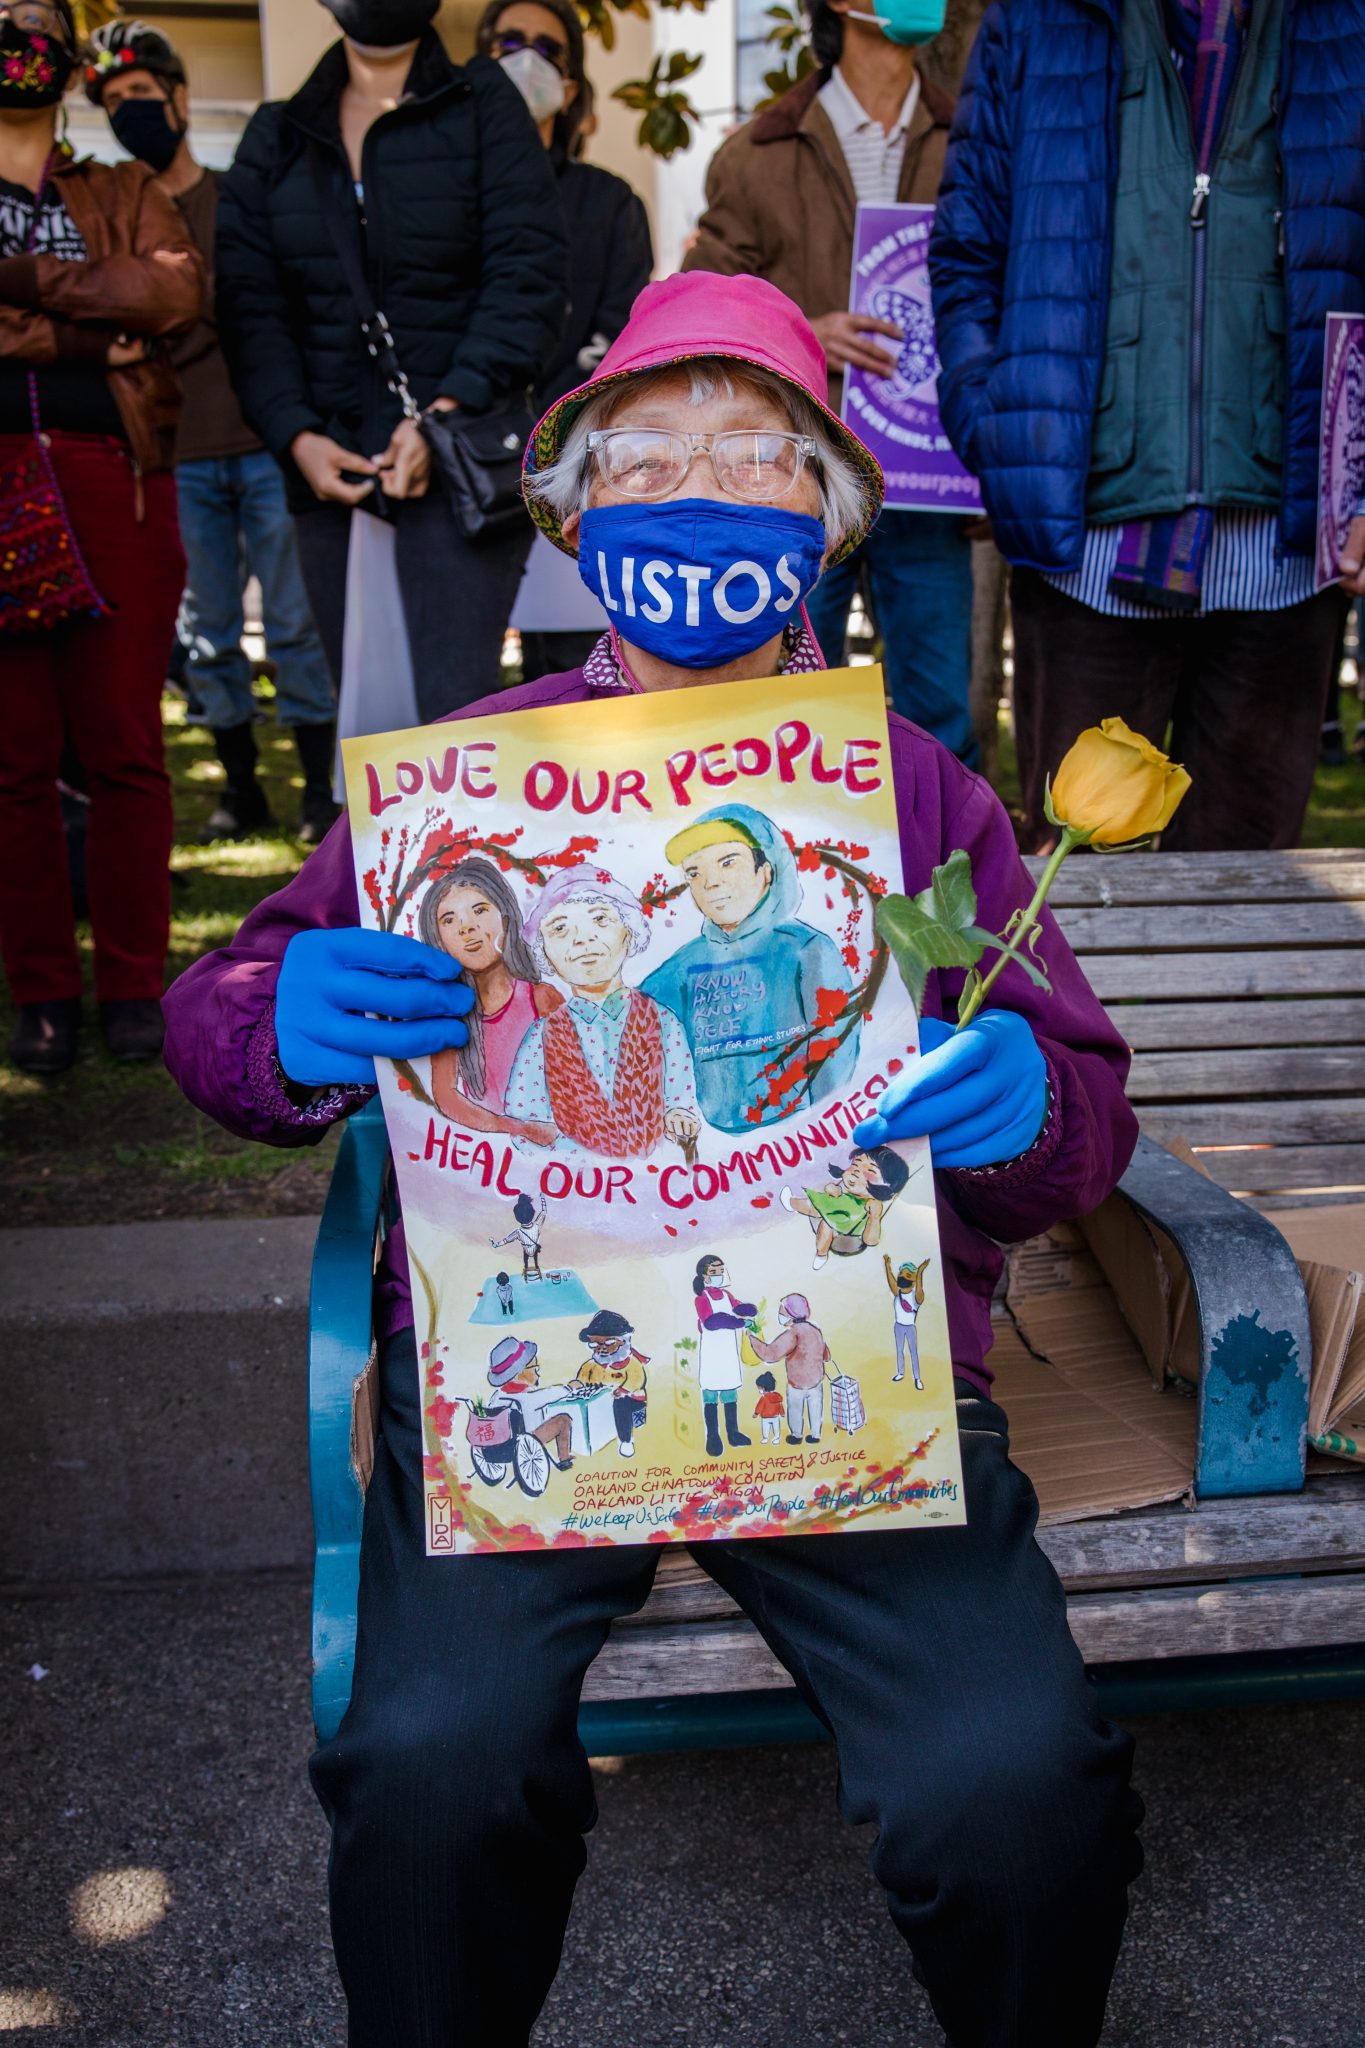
<point>1114,786</point>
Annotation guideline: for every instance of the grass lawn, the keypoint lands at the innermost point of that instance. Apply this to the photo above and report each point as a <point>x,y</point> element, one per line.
<point>107,1143</point>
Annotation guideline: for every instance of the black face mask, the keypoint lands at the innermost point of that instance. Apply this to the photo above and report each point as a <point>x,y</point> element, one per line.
<point>382,24</point>
<point>144,129</point>
<point>42,71</point>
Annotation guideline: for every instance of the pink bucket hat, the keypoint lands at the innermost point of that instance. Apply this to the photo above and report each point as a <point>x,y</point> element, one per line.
<point>683,318</point>
<point>571,883</point>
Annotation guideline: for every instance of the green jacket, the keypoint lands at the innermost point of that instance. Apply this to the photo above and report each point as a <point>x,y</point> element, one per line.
<point>1191,403</point>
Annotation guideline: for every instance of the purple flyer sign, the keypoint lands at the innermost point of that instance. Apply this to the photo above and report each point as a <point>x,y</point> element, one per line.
<point>1341,459</point>
<point>897,416</point>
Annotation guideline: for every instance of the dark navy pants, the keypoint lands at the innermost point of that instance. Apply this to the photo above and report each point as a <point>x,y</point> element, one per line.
<point>940,1660</point>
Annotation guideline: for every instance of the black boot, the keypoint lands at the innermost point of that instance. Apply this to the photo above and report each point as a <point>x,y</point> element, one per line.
<point>734,1434</point>
<point>45,1036</point>
<point>318,811</point>
<point>134,1029</point>
<point>242,808</point>
<point>713,1442</point>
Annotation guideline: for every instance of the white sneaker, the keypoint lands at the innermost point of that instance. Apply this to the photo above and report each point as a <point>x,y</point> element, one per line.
<point>820,1260</point>
<point>896,1377</point>
<point>785,1198</point>
<point>626,1450</point>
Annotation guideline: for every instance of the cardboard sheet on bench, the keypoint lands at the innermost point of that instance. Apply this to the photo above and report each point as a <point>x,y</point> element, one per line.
<point>1087,1422</point>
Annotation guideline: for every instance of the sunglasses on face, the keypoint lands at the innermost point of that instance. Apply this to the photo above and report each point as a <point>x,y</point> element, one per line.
<point>509,40</point>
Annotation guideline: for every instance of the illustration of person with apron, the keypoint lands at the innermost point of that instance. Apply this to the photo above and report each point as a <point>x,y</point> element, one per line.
<point>721,1319</point>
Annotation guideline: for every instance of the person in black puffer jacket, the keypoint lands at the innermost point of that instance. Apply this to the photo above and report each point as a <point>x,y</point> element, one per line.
<point>539,43</point>
<point>438,171</point>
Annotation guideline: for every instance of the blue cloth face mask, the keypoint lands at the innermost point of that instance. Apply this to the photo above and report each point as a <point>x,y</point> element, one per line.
<point>699,581</point>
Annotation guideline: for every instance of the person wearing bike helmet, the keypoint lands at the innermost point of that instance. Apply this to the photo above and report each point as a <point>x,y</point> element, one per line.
<point>97,272</point>
<point>234,519</point>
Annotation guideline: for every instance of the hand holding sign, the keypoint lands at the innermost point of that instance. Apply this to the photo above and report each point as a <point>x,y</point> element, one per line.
<point>841,337</point>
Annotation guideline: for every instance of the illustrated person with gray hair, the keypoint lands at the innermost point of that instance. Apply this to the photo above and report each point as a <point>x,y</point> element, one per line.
<point>610,1070</point>
<point>940,1660</point>
<point>473,914</point>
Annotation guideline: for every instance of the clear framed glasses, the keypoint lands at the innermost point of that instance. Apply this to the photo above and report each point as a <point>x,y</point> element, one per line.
<point>34,17</point>
<point>509,40</point>
<point>651,462</point>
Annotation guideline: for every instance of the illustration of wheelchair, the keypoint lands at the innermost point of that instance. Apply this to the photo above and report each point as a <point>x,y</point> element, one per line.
<point>504,1451</point>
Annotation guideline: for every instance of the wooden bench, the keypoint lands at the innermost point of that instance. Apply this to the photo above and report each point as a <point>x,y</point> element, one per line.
<point>1239,981</point>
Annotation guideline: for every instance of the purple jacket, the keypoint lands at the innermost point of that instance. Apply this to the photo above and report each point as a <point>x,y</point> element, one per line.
<point>220,1037</point>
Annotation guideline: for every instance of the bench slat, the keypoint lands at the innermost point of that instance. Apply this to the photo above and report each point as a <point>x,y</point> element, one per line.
<point>1232,926</point>
<point>1336,971</point>
<point>1329,1122</point>
<point>1310,875</point>
<point>1314,1168</point>
<point>1188,1027</point>
<point>1276,1074</point>
<point>1187,1621</point>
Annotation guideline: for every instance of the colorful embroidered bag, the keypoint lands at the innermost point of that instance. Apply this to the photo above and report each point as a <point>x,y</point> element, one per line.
<point>43,577</point>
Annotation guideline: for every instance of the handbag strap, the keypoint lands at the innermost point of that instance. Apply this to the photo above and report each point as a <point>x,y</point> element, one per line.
<point>373,326</point>
<point>44,452</point>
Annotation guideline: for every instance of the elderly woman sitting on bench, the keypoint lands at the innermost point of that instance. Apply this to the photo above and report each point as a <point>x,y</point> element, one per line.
<point>456,1786</point>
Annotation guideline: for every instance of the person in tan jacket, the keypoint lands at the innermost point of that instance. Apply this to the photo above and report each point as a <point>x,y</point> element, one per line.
<point>800,1348</point>
<point>97,269</point>
<point>866,128</point>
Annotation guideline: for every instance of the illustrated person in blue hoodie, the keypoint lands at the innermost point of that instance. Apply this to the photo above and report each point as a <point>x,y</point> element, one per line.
<point>747,988</point>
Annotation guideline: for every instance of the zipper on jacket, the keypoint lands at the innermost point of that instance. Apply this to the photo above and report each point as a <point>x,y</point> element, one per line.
<point>1199,202</point>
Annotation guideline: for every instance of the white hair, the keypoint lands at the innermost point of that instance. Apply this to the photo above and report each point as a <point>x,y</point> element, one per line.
<point>634,921</point>
<point>563,486</point>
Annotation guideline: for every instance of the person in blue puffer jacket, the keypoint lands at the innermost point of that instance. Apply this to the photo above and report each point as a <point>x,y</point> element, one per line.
<point>747,990</point>
<point>1148,209</point>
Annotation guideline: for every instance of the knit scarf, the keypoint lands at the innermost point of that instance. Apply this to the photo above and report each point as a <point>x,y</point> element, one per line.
<point>1161,561</point>
<point>632,1123</point>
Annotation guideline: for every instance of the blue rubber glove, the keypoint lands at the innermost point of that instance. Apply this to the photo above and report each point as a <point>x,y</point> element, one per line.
<point>346,994</point>
<point>978,1095</point>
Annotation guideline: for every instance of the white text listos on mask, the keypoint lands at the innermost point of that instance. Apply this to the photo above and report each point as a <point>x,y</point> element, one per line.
<point>653,595</point>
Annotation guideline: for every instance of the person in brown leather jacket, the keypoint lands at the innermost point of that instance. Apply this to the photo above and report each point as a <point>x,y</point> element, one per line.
<point>97,267</point>
<point>869,126</point>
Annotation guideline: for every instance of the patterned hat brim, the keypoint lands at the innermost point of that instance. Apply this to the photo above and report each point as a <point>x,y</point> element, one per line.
<point>546,443</point>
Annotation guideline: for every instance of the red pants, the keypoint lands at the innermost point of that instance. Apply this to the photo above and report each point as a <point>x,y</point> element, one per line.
<point>98,683</point>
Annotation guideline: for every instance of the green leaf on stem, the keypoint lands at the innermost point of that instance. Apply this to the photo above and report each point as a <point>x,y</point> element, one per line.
<point>936,928</point>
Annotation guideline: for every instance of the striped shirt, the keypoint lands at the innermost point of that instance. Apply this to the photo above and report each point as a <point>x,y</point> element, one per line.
<point>874,158</point>
<point>1245,570</point>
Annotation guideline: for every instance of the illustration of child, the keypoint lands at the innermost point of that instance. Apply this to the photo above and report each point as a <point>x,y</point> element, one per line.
<point>614,1362</point>
<point>907,1294</point>
<point>528,1223</point>
<point>800,1348</point>
<point>503,1283</point>
<point>852,1202</point>
<point>514,1368</point>
<point>768,1408</point>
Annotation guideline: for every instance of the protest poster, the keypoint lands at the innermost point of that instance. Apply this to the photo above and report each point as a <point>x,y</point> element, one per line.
<point>897,416</point>
<point>660,1295</point>
<point>1341,458</point>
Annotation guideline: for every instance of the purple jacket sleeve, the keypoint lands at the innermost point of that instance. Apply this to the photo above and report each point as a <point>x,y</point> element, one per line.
<point>1090,1132</point>
<point>220,1014</point>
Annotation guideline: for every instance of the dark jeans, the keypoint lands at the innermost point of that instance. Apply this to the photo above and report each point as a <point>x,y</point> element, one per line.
<point>918,572</point>
<point>1242,692</point>
<point>457,594</point>
<point>940,1660</point>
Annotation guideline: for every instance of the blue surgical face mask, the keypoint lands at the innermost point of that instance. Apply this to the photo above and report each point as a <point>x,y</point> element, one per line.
<point>699,581</point>
<point>906,21</point>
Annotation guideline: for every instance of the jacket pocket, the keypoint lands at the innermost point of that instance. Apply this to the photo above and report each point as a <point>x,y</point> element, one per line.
<point>1114,435</point>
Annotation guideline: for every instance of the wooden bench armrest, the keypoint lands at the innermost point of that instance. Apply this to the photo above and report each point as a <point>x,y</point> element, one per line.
<point>339,1352</point>
<point>1255,1345</point>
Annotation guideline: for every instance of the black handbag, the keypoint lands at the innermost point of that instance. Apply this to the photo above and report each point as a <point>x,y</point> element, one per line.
<point>476,457</point>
